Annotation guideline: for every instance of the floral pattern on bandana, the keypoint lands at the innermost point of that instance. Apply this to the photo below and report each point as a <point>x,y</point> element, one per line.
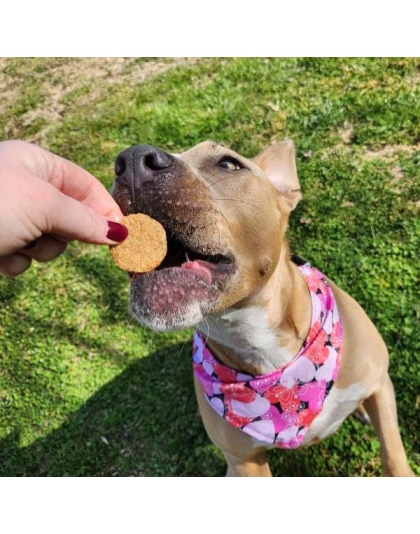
<point>279,407</point>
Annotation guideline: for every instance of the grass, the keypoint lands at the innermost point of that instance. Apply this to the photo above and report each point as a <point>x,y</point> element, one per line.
<point>84,391</point>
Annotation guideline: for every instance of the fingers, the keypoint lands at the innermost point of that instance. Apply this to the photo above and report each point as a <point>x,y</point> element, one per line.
<point>45,248</point>
<point>72,219</point>
<point>79,184</point>
<point>50,200</point>
<point>66,176</point>
<point>14,264</point>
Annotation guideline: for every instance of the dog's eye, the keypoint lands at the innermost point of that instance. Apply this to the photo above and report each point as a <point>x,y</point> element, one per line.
<point>230,164</point>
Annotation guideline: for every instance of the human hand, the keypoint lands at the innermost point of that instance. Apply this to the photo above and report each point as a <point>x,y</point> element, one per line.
<point>47,201</point>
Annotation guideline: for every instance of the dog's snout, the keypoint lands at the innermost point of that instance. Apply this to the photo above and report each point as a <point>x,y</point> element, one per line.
<point>142,163</point>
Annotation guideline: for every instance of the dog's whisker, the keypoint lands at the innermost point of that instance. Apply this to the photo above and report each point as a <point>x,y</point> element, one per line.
<point>205,321</point>
<point>238,200</point>
<point>212,184</point>
<point>181,350</point>
<point>224,199</point>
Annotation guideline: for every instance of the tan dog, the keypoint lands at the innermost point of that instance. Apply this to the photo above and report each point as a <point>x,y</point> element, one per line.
<point>229,273</point>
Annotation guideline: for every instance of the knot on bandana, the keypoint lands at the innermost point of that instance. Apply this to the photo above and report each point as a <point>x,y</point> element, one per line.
<point>279,407</point>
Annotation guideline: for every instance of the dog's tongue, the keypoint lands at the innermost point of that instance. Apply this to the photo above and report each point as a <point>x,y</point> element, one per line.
<point>200,268</point>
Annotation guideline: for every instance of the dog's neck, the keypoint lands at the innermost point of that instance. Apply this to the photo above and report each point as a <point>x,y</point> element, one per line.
<point>267,331</point>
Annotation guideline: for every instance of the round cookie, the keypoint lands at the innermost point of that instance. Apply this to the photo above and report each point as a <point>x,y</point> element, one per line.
<point>145,247</point>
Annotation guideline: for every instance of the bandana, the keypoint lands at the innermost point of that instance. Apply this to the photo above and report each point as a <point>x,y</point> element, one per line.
<point>279,407</point>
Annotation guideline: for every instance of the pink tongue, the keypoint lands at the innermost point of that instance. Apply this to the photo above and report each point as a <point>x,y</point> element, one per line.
<point>200,269</point>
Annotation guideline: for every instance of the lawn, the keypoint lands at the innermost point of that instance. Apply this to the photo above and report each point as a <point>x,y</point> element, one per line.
<point>84,390</point>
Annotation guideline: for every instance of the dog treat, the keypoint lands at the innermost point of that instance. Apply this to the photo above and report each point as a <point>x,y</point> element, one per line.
<point>145,247</point>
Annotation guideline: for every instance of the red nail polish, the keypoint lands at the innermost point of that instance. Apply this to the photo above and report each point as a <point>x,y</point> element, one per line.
<point>116,231</point>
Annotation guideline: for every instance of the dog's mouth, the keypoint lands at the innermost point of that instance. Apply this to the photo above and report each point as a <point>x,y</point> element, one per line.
<point>198,268</point>
<point>206,266</point>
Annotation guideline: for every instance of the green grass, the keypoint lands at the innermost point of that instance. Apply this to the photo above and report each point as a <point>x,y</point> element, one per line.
<point>84,391</point>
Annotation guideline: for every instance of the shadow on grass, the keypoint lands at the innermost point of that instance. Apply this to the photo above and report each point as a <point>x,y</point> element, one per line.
<point>145,422</point>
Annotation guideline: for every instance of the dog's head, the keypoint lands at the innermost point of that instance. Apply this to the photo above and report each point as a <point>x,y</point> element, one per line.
<point>225,218</point>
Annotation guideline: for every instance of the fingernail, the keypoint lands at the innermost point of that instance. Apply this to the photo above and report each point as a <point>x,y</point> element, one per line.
<point>116,231</point>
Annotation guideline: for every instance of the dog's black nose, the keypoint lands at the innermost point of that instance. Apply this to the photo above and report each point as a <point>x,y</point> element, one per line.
<point>141,163</point>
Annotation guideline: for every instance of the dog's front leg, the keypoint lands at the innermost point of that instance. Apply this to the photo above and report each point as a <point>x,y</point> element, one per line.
<point>255,465</point>
<point>244,456</point>
<point>382,411</point>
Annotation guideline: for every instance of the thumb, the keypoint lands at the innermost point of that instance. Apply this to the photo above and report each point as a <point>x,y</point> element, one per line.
<point>72,219</point>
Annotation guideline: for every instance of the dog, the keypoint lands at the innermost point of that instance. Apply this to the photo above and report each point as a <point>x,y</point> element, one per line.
<point>281,354</point>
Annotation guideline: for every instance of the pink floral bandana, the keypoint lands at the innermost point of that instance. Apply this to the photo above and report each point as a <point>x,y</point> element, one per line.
<point>279,407</point>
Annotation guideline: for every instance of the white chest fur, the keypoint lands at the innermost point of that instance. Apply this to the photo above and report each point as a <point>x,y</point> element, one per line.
<point>249,335</point>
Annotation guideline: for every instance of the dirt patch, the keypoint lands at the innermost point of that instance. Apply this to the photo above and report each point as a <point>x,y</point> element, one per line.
<point>391,152</point>
<point>346,133</point>
<point>68,75</point>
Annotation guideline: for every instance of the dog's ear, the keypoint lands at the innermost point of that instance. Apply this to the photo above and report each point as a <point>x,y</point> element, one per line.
<point>279,164</point>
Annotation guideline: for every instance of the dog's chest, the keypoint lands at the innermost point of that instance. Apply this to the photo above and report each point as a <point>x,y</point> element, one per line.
<point>248,334</point>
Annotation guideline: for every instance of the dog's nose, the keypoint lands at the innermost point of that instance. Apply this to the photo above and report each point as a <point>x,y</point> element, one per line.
<point>142,163</point>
